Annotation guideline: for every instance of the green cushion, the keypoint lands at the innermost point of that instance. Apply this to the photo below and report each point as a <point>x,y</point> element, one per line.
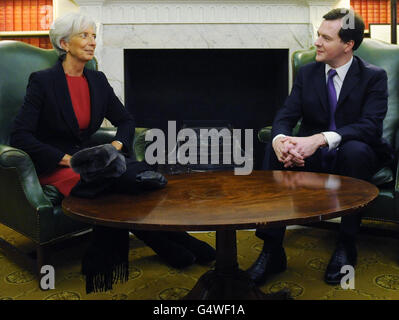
<point>383,207</point>
<point>302,57</point>
<point>265,134</point>
<point>140,144</point>
<point>383,176</point>
<point>386,55</point>
<point>102,136</point>
<point>53,195</point>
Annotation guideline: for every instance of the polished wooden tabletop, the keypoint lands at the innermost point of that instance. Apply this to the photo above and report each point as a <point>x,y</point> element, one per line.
<point>224,201</point>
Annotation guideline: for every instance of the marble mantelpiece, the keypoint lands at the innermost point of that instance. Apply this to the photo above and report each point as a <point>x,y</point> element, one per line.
<point>126,24</point>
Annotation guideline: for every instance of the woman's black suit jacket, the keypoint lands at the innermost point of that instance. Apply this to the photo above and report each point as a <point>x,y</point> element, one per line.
<point>46,126</point>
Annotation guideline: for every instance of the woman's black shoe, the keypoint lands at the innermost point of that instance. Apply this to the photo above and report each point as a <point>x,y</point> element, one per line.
<point>168,250</point>
<point>203,252</point>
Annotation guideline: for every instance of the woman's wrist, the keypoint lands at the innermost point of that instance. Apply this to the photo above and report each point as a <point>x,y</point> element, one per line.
<point>117,144</point>
<point>65,161</point>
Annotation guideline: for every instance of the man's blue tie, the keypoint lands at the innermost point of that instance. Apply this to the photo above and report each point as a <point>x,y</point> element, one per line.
<point>328,157</point>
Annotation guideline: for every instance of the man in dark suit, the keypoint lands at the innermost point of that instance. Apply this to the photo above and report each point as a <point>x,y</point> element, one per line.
<point>341,101</point>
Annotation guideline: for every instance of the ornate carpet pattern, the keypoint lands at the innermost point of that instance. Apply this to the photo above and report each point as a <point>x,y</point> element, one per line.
<point>308,252</point>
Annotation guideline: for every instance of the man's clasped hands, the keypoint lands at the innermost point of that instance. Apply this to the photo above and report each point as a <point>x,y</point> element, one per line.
<point>292,151</point>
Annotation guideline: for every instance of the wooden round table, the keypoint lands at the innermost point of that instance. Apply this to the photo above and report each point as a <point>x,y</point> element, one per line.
<point>225,202</point>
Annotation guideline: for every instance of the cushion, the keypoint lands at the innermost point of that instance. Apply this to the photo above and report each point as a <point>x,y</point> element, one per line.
<point>383,176</point>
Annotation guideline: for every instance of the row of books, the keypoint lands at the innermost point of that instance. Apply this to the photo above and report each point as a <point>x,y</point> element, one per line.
<point>41,42</point>
<point>33,15</point>
<point>373,11</point>
<point>26,15</point>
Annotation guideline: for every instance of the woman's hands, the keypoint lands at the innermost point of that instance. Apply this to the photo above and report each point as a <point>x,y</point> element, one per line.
<point>65,161</point>
<point>117,144</point>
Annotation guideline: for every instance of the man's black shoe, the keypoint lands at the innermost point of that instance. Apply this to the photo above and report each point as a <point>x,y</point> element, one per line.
<point>344,254</point>
<point>268,262</point>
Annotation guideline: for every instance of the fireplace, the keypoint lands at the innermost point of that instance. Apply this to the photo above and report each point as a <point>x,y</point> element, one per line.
<point>202,24</point>
<point>235,88</point>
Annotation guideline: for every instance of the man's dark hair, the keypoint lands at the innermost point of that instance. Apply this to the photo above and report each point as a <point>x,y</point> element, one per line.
<point>348,32</point>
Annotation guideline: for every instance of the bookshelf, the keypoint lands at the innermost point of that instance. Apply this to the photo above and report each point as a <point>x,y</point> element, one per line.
<point>373,11</point>
<point>26,20</point>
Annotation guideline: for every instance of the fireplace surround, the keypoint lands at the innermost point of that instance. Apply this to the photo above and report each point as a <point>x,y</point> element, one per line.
<point>205,24</point>
<point>274,24</point>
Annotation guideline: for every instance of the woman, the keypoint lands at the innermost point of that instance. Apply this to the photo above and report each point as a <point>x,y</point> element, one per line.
<point>64,106</point>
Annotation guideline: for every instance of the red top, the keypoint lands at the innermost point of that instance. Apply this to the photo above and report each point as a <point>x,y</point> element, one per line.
<point>64,178</point>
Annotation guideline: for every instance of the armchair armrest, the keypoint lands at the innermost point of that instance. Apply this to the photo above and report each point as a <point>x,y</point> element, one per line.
<point>139,144</point>
<point>265,134</point>
<point>23,205</point>
<point>107,135</point>
<point>13,159</point>
<point>102,136</point>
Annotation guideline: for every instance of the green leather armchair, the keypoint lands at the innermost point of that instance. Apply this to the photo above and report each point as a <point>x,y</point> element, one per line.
<point>385,55</point>
<point>25,206</point>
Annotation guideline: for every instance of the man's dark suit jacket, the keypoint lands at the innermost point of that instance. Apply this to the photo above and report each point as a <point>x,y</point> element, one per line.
<point>46,126</point>
<point>361,107</point>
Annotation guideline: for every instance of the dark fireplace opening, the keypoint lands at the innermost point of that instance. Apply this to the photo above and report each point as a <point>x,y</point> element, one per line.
<point>236,88</point>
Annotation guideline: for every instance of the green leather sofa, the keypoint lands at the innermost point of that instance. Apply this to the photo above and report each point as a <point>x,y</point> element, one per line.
<point>385,55</point>
<point>25,206</point>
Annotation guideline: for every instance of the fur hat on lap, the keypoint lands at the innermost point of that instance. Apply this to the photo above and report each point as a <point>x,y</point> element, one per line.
<point>102,161</point>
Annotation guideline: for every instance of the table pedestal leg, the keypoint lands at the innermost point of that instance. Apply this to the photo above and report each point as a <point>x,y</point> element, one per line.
<point>227,281</point>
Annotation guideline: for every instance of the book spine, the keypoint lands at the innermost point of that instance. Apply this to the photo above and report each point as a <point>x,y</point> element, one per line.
<point>9,15</point>
<point>17,15</point>
<point>370,13</point>
<point>2,16</point>
<point>356,6</point>
<point>397,11</point>
<point>33,15</point>
<point>383,11</point>
<point>45,14</point>
<point>363,4</point>
<point>49,19</point>
<point>41,18</point>
<point>45,43</point>
<point>35,42</point>
<point>376,12</point>
<point>26,15</point>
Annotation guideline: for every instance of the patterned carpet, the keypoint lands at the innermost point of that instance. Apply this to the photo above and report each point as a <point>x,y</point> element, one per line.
<point>308,251</point>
